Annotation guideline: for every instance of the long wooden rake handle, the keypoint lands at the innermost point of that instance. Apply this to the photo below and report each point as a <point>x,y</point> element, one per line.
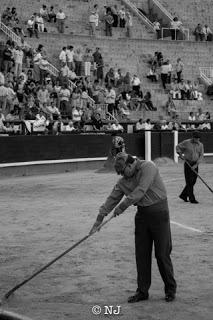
<point>199,176</point>
<point>21,284</point>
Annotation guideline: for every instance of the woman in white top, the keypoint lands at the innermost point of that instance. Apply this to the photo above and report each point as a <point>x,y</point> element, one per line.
<point>122,17</point>
<point>175,28</point>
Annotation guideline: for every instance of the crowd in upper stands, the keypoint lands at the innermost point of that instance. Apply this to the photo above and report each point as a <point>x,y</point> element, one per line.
<point>81,93</point>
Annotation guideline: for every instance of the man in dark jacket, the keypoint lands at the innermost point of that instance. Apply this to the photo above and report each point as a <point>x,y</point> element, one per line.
<point>143,187</point>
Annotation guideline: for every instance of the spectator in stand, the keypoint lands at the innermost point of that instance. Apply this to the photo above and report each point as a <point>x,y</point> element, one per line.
<point>43,95</point>
<point>157,29</point>
<point>152,74</point>
<point>52,15</point>
<point>175,90</point>
<point>183,89</point>
<point>110,99</point>
<point>61,17</point>
<point>108,18</point>
<point>94,20</point>
<point>65,99</point>
<point>70,57</point>
<point>122,17</point>
<point>76,116</point>
<point>44,12</point>
<point>114,10</point>
<point>70,127</point>
<point>136,83</point>
<point>200,116</point>
<point>139,125</point>
<point>110,78</point>
<point>188,88</point>
<point>207,33</point>
<point>195,91</point>
<point>116,126</point>
<point>31,27</point>
<point>148,102</point>
<point>36,62</point>
<point>3,98</point>
<point>170,107</point>
<point>64,74</point>
<point>88,62</point>
<point>166,70</point>
<point>78,60</point>
<point>127,82</point>
<point>198,32</point>
<point>148,125</point>
<point>175,28</point>
<point>206,126</point>
<point>11,95</point>
<point>7,58</point>
<point>129,25</point>
<point>63,56</point>
<point>39,22</point>
<point>6,16</point>
<point>97,122</point>
<point>53,110</point>
<point>191,118</point>
<point>98,65</point>
<point>43,63</point>
<point>179,69</point>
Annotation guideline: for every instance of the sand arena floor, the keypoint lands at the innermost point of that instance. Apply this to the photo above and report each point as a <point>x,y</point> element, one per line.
<point>41,216</point>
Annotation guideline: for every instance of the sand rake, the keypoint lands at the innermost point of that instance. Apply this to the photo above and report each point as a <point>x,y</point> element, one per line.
<point>199,176</point>
<point>21,284</point>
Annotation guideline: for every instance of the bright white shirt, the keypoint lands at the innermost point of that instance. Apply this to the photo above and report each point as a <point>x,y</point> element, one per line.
<point>136,81</point>
<point>117,126</point>
<point>70,55</point>
<point>60,15</point>
<point>65,94</point>
<point>18,56</point>
<point>76,115</point>
<point>63,56</point>
<point>30,23</point>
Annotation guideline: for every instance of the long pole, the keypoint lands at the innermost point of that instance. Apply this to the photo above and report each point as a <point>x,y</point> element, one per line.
<point>21,284</point>
<point>199,176</point>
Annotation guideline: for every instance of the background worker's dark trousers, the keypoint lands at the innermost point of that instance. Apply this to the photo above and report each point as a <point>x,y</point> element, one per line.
<point>190,178</point>
<point>152,225</point>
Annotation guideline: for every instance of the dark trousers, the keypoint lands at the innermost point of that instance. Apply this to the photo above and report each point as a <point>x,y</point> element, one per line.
<point>152,225</point>
<point>190,178</point>
<point>164,79</point>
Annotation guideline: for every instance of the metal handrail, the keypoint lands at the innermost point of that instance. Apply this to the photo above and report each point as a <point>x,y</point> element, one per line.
<point>183,30</point>
<point>140,15</point>
<point>159,5</point>
<point>206,73</point>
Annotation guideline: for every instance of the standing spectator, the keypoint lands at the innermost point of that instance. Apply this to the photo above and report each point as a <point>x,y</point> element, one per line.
<point>44,12</point>
<point>128,25</point>
<point>165,73</point>
<point>110,99</point>
<point>108,18</point>
<point>18,59</point>
<point>61,17</point>
<point>94,20</point>
<point>7,58</point>
<point>98,64</point>
<point>43,95</point>
<point>136,84</point>
<point>70,57</point>
<point>63,56</point>
<point>182,88</point>
<point>114,10</point>
<point>175,28</point>
<point>88,61</point>
<point>43,63</point>
<point>110,77</point>
<point>64,99</point>
<point>122,17</point>
<point>52,15</point>
<point>198,32</point>
<point>157,29</point>
<point>39,21</point>
<point>179,69</point>
<point>78,60</point>
<point>31,27</point>
<point>36,62</point>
